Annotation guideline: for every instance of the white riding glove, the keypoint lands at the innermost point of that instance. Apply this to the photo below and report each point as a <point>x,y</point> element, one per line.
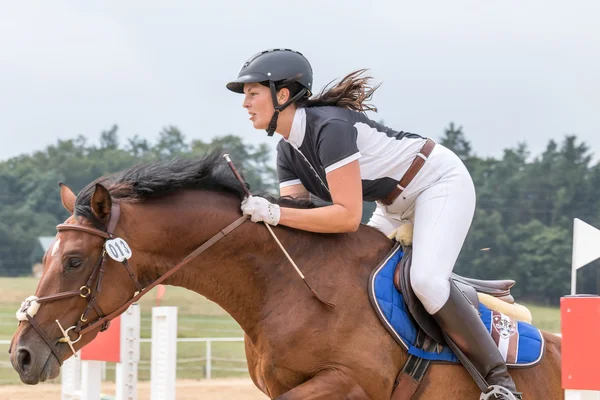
<point>260,209</point>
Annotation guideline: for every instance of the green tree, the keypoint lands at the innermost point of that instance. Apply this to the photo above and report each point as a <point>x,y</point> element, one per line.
<point>171,143</point>
<point>110,139</point>
<point>542,261</point>
<point>486,251</point>
<point>30,204</point>
<point>455,140</point>
<point>522,227</point>
<point>253,162</point>
<point>139,147</point>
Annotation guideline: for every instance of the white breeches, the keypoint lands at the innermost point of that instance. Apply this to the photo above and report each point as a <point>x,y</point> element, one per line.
<point>440,202</point>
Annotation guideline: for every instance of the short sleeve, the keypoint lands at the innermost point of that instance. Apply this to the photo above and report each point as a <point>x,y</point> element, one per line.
<point>336,144</point>
<point>285,173</point>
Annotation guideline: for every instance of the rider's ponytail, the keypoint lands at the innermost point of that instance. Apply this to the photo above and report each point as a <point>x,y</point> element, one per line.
<point>351,92</point>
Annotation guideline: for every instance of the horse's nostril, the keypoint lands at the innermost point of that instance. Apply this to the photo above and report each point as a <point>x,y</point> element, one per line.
<point>24,359</point>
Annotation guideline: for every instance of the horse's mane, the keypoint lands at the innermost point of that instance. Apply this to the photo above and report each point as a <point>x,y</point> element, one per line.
<point>150,180</point>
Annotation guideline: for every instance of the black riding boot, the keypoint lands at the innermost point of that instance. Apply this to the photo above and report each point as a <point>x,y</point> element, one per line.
<point>460,320</point>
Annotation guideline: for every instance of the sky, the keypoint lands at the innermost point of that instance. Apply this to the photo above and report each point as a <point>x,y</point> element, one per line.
<point>506,71</point>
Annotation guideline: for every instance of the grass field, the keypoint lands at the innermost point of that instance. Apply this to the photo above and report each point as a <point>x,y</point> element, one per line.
<point>197,317</point>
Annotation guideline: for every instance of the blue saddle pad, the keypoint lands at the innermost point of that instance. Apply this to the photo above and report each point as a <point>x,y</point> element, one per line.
<point>521,344</point>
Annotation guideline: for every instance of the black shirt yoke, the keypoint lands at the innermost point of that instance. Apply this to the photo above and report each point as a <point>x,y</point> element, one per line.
<point>323,139</point>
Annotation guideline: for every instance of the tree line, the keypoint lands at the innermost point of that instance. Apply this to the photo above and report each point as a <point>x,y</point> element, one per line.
<point>522,227</point>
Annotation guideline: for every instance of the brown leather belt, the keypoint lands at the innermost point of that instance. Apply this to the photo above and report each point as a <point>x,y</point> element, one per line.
<point>410,174</point>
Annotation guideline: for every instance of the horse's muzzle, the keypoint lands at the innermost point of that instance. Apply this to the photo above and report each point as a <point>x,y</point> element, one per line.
<point>31,369</point>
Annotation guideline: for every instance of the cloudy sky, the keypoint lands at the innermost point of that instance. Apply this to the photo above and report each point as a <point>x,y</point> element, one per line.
<point>507,71</point>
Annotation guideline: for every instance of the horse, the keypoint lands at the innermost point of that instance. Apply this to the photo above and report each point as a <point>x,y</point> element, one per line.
<point>296,347</point>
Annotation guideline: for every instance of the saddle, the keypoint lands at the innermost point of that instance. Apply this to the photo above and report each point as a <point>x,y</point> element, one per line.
<point>403,316</point>
<point>499,289</point>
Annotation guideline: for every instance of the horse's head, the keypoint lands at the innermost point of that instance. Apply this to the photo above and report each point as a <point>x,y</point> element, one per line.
<point>86,276</point>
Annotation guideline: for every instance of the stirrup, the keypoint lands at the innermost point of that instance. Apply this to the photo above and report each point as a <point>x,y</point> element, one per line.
<point>497,392</point>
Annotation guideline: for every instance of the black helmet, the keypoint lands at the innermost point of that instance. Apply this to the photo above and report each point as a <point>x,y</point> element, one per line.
<point>275,65</point>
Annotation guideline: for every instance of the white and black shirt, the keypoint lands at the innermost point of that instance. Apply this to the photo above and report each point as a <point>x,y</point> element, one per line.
<point>323,139</point>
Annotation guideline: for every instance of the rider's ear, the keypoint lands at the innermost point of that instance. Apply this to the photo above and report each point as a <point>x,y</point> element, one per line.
<point>67,197</point>
<point>101,203</point>
<point>283,95</point>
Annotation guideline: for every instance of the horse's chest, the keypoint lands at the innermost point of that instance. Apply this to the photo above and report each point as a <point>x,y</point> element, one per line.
<point>273,375</point>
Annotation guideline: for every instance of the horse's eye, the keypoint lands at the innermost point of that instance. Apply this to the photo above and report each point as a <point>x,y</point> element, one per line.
<point>74,263</point>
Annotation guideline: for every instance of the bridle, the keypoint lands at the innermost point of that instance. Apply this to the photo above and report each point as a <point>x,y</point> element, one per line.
<point>117,249</point>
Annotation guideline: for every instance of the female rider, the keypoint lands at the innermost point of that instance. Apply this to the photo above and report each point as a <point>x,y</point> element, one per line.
<point>331,149</point>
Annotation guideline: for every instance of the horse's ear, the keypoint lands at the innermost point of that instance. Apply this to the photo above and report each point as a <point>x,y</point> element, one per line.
<point>101,203</point>
<point>67,197</point>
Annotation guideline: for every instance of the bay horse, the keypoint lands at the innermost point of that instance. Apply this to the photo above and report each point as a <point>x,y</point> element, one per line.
<point>296,347</point>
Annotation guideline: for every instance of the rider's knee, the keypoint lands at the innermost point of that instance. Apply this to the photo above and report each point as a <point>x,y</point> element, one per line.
<point>433,291</point>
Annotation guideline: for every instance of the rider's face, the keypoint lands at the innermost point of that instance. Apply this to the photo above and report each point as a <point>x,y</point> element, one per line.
<point>258,102</point>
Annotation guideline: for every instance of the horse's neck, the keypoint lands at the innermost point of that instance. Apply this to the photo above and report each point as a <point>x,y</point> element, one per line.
<point>245,272</point>
<point>235,272</point>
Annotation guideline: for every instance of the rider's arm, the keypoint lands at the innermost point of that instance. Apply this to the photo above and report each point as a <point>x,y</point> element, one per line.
<point>343,215</point>
<point>336,147</point>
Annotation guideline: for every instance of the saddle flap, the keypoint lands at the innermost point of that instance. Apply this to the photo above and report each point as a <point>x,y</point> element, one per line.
<point>421,317</point>
<point>469,292</point>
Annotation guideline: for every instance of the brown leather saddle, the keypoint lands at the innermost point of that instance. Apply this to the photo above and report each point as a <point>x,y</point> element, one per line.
<point>470,287</point>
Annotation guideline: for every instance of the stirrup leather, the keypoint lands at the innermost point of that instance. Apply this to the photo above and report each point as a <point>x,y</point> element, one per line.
<point>498,392</point>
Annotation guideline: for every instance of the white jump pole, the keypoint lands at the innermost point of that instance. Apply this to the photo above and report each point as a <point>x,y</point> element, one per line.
<point>91,379</point>
<point>581,395</point>
<point>164,353</point>
<point>70,376</point>
<point>127,370</point>
<point>81,379</point>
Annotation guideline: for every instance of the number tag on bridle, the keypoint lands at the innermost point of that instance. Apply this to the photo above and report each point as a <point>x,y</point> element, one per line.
<point>117,249</point>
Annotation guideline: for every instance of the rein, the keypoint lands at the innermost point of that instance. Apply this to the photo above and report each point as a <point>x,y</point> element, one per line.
<point>118,250</point>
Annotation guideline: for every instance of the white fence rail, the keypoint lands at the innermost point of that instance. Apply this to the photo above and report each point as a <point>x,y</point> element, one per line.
<point>209,358</point>
<point>206,362</point>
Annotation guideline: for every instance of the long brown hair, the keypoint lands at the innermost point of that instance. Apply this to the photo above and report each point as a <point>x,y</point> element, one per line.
<point>351,92</point>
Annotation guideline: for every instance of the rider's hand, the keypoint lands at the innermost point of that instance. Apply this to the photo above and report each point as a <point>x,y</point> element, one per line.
<point>260,209</point>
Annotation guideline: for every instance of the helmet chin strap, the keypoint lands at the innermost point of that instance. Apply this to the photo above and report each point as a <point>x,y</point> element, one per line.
<point>280,107</point>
